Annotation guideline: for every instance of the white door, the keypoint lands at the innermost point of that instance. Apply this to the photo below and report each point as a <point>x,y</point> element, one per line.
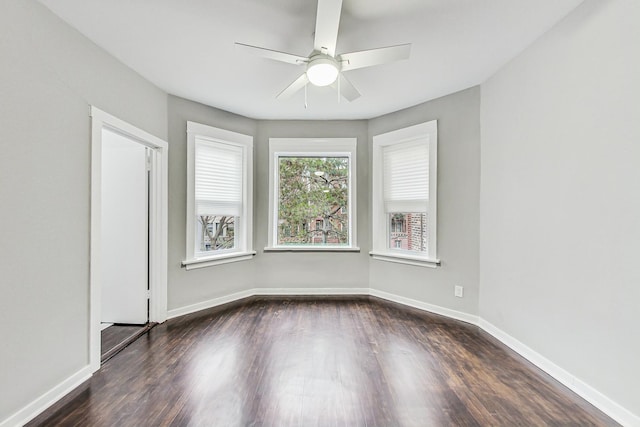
<point>125,230</point>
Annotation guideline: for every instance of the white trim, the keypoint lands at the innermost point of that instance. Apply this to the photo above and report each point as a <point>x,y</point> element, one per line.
<point>158,232</point>
<point>380,226</point>
<point>312,249</point>
<point>158,217</point>
<point>458,315</point>
<point>245,229</point>
<point>193,308</point>
<point>325,147</point>
<point>217,260</point>
<point>222,135</point>
<point>403,258</point>
<point>263,291</point>
<point>582,389</point>
<point>42,403</point>
<point>431,308</point>
<point>311,291</point>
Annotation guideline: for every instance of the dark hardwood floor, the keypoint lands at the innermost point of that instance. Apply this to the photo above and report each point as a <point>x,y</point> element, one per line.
<point>117,337</point>
<point>319,362</point>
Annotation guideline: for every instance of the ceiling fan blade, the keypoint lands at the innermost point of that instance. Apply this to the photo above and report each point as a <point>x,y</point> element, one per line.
<point>327,22</point>
<point>368,58</point>
<point>347,89</point>
<point>298,84</point>
<point>272,54</point>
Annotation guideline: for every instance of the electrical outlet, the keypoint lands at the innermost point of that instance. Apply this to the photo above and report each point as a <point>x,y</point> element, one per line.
<point>458,291</point>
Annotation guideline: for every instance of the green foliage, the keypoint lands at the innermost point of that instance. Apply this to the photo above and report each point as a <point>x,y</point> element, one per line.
<point>313,192</point>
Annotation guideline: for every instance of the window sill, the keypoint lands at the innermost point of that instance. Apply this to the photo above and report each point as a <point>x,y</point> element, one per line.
<point>192,264</point>
<point>405,259</point>
<point>310,249</point>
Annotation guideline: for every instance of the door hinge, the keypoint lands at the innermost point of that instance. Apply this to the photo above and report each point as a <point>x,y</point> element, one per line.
<point>148,293</point>
<point>148,158</point>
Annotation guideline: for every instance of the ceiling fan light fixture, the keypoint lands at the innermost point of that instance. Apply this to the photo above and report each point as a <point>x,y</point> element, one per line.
<point>322,71</point>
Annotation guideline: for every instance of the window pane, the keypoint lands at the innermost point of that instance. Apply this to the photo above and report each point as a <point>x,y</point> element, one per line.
<point>215,232</point>
<point>312,203</point>
<point>408,231</point>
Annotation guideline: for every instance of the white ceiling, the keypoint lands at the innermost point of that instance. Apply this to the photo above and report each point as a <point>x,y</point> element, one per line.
<point>187,47</point>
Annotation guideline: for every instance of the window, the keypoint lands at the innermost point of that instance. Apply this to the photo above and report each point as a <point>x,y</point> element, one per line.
<point>404,195</point>
<point>219,196</point>
<point>311,194</point>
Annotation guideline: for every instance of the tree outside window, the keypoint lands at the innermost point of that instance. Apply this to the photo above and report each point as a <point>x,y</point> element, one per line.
<point>313,201</point>
<point>216,232</point>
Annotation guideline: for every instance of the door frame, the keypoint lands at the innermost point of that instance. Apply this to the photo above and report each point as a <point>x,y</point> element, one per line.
<point>158,214</point>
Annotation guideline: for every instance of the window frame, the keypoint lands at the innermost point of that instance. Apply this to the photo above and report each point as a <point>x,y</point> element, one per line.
<point>311,147</point>
<point>380,223</point>
<point>244,228</point>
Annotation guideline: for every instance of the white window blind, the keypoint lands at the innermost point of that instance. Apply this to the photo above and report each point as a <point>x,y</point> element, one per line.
<point>218,178</point>
<point>406,176</point>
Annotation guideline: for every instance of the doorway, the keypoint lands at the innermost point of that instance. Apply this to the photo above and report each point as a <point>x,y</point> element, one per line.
<point>128,232</point>
<point>124,311</point>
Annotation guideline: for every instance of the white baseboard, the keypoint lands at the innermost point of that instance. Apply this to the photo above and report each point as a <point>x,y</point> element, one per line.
<point>310,291</point>
<point>582,389</point>
<point>42,403</point>
<point>176,312</point>
<point>263,291</point>
<point>453,314</point>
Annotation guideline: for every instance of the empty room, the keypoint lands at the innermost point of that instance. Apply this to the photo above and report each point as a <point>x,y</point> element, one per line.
<point>319,213</point>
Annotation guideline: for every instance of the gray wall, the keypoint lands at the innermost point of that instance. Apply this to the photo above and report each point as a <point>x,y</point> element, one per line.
<point>458,118</point>
<point>560,235</point>
<point>48,77</point>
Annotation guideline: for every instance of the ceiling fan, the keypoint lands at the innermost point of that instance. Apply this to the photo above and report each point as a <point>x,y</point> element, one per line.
<point>323,66</point>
